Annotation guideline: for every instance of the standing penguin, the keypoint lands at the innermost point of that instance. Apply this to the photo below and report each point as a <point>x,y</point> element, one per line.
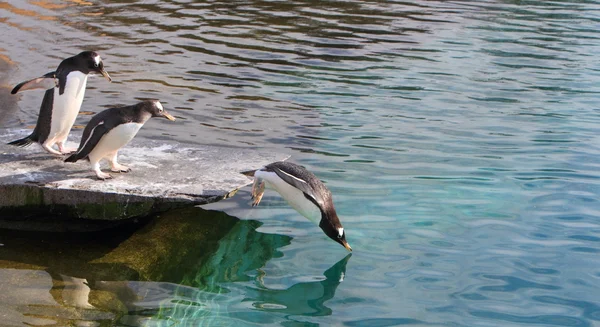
<point>304,192</point>
<point>62,100</point>
<point>110,130</point>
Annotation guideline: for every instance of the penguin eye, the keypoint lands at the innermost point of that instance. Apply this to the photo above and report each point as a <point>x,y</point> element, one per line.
<point>96,65</point>
<point>339,236</point>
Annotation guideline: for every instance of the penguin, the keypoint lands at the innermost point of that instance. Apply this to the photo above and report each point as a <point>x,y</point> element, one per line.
<point>304,192</point>
<point>65,89</point>
<point>110,130</point>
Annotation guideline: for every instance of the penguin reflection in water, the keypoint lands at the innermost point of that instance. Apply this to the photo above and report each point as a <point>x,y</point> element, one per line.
<point>65,89</point>
<point>304,192</point>
<point>112,129</point>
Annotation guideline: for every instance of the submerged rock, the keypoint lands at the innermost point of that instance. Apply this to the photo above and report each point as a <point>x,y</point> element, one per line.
<point>122,275</point>
<point>165,175</point>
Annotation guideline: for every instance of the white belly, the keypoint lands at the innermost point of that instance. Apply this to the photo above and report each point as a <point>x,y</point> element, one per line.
<point>115,139</point>
<point>66,106</point>
<point>294,197</point>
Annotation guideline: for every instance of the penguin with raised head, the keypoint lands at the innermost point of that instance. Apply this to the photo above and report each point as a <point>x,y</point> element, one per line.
<point>304,192</point>
<point>62,100</point>
<point>110,130</point>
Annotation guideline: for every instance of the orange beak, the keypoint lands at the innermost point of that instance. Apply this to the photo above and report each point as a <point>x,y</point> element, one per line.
<point>347,246</point>
<point>168,116</point>
<point>105,74</point>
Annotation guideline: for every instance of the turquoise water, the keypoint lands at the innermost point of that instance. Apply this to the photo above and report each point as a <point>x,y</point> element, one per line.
<point>460,141</point>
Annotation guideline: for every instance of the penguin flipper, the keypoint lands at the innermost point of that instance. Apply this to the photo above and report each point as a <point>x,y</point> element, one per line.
<point>45,82</point>
<point>295,181</point>
<point>249,173</point>
<point>89,140</point>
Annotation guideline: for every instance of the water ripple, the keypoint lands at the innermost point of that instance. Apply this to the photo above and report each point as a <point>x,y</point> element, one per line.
<point>459,139</point>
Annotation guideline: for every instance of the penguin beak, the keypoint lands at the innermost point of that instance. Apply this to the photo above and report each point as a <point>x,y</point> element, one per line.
<point>346,245</point>
<point>105,74</point>
<point>169,117</point>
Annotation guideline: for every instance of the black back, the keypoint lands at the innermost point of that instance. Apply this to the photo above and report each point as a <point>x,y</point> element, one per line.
<point>106,120</point>
<point>80,63</point>
<point>315,191</point>
<point>83,62</point>
<point>310,185</point>
<point>44,121</point>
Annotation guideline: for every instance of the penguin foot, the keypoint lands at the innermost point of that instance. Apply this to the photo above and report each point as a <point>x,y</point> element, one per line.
<point>102,176</point>
<point>120,169</point>
<point>256,200</point>
<point>51,150</point>
<point>258,190</point>
<point>63,149</point>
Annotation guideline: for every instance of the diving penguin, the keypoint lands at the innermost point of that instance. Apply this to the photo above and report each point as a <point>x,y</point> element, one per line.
<point>109,130</point>
<point>62,100</point>
<point>304,192</point>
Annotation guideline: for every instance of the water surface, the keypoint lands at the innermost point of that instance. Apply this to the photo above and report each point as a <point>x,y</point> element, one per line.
<point>459,138</point>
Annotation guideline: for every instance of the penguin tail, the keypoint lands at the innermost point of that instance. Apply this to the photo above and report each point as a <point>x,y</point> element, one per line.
<point>73,158</point>
<point>24,141</point>
<point>249,173</point>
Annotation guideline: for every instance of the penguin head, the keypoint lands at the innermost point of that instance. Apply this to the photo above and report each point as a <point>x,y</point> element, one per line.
<point>155,108</point>
<point>93,63</point>
<point>331,226</point>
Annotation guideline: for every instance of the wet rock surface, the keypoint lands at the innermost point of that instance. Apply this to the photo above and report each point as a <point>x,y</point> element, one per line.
<point>165,175</point>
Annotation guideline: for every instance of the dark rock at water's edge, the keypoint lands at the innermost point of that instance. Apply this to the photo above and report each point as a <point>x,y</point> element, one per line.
<point>165,175</point>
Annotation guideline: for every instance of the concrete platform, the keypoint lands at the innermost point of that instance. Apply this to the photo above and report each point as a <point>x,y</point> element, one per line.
<point>165,175</point>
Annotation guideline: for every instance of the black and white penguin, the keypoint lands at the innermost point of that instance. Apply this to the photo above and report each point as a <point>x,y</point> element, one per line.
<point>62,100</point>
<point>109,130</point>
<point>304,192</point>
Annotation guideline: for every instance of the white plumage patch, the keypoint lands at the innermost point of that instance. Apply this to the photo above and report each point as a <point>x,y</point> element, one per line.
<point>159,105</point>
<point>294,197</point>
<point>97,60</point>
<point>340,232</point>
<point>115,139</point>
<point>66,106</point>
<point>294,177</point>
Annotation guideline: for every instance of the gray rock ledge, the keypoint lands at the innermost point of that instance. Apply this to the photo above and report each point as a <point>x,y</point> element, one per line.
<point>165,175</point>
